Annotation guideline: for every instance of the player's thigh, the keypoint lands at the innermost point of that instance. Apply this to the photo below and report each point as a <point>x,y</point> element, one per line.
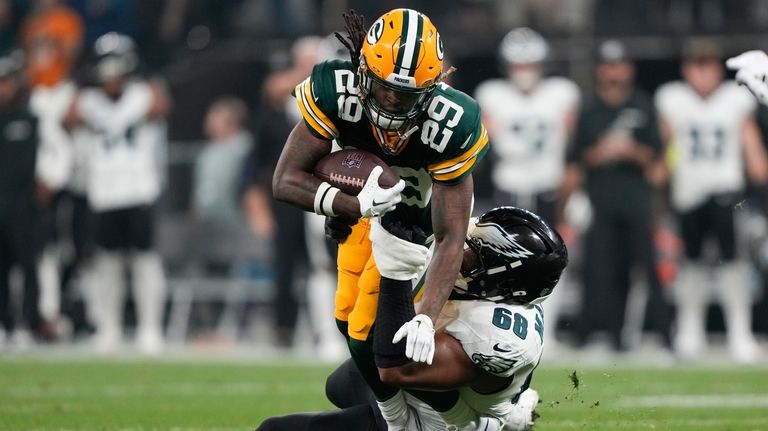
<point>81,223</point>
<point>363,315</point>
<point>723,225</point>
<point>111,231</point>
<point>345,386</point>
<point>693,228</point>
<point>141,222</point>
<point>353,254</point>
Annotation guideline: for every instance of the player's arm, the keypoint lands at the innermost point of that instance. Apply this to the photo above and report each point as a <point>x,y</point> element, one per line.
<point>755,159</point>
<point>451,368</point>
<point>160,106</point>
<point>399,255</point>
<point>451,206</point>
<point>293,181</point>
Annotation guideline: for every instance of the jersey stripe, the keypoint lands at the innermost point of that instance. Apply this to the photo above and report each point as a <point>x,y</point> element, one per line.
<point>312,114</point>
<point>461,167</point>
<point>455,163</point>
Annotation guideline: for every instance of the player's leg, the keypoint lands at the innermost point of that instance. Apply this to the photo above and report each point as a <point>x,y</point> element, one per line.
<point>621,245</point>
<point>108,288</point>
<point>596,281</point>
<point>289,253</point>
<point>346,387</point>
<point>6,313</point>
<point>48,267</point>
<point>732,285</point>
<point>321,287</point>
<point>360,329</point>
<point>148,281</point>
<point>657,313</point>
<point>26,244</point>
<point>691,289</point>
<point>80,225</point>
<point>353,254</point>
<point>361,417</point>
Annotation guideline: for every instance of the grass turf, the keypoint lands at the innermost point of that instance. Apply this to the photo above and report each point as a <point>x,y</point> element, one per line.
<point>143,396</point>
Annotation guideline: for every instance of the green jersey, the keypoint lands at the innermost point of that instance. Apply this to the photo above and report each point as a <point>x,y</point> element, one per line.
<point>445,145</point>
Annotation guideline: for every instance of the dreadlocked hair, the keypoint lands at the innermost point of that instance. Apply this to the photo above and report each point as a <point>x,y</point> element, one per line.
<point>354,24</point>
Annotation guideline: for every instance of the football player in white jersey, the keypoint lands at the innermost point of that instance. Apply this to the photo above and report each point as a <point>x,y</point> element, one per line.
<point>530,119</point>
<point>123,129</point>
<point>54,170</point>
<point>714,139</point>
<point>490,332</point>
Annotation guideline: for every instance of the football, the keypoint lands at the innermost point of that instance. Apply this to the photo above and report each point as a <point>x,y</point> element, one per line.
<point>349,168</point>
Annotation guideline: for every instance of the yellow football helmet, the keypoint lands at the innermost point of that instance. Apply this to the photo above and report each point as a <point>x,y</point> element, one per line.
<point>401,62</point>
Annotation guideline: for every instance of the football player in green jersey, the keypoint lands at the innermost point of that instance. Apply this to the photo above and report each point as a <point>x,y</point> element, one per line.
<point>389,100</point>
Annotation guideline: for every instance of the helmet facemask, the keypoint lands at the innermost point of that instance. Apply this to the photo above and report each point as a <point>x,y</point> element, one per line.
<point>392,108</point>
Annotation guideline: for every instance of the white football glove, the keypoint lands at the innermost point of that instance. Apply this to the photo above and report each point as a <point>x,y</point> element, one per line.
<point>375,200</point>
<point>520,417</point>
<point>752,67</point>
<point>420,338</point>
<point>396,258</point>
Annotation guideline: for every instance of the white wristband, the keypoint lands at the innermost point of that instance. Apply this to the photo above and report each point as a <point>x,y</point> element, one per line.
<point>324,197</point>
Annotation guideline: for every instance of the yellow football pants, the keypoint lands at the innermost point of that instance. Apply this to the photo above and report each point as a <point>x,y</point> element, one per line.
<point>357,292</point>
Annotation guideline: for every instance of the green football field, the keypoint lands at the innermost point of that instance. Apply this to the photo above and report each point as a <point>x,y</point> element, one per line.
<point>191,396</point>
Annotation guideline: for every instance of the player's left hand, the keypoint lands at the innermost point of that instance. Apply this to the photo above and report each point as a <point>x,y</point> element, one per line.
<point>752,68</point>
<point>338,228</point>
<point>420,339</point>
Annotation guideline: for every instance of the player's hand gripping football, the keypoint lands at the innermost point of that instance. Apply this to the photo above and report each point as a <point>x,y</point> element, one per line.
<point>376,200</point>
<point>752,68</point>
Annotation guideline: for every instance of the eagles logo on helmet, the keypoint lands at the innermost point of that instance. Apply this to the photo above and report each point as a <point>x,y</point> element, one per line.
<point>519,258</point>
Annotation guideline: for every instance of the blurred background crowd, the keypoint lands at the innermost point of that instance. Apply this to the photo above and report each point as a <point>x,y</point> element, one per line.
<point>139,138</point>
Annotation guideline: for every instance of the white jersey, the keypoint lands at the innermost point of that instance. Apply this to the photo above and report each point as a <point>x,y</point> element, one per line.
<point>55,153</point>
<point>123,147</point>
<point>706,139</point>
<point>528,131</point>
<point>504,340</point>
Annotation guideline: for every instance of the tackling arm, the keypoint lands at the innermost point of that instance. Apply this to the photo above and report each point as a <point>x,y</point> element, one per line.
<point>450,369</point>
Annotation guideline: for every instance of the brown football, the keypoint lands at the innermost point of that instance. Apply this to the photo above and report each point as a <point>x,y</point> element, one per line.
<point>349,168</point>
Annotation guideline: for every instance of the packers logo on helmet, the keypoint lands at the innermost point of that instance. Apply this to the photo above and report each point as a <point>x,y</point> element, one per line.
<point>401,62</point>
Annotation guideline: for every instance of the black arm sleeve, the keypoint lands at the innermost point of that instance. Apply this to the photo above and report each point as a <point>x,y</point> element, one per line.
<point>395,307</point>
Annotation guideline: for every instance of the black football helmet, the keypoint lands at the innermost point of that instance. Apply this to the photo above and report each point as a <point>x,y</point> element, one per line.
<point>518,258</point>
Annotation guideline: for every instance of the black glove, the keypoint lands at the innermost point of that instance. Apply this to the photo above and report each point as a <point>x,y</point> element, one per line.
<point>408,232</point>
<point>338,228</point>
